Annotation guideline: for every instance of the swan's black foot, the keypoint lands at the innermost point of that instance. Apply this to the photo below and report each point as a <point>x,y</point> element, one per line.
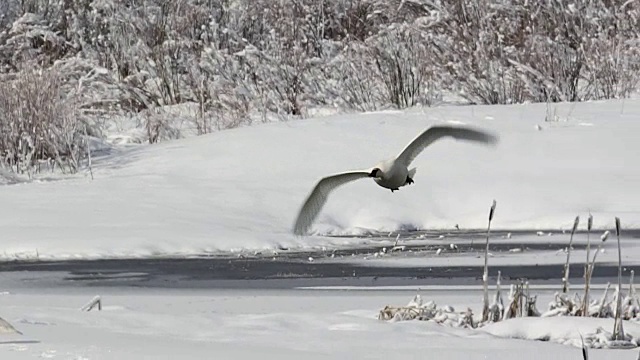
<point>409,180</point>
<point>392,190</point>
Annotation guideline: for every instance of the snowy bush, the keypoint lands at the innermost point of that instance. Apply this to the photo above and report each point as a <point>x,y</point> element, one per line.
<point>31,43</point>
<point>509,51</point>
<point>244,60</point>
<point>405,65</point>
<point>223,94</point>
<point>38,122</point>
<point>522,305</point>
<point>357,82</point>
<point>417,310</point>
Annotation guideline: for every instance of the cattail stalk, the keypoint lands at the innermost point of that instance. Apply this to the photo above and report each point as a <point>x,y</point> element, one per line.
<point>587,278</point>
<point>603,239</point>
<point>603,299</point>
<point>565,279</point>
<point>618,330</point>
<point>485,274</point>
<point>632,289</point>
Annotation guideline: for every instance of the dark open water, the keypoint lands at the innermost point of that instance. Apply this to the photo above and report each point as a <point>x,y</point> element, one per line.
<point>292,268</point>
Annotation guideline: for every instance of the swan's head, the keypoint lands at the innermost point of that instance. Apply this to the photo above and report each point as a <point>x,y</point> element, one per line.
<point>375,173</point>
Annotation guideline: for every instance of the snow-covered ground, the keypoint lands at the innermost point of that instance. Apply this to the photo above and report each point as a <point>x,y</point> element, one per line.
<point>246,324</point>
<point>242,188</point>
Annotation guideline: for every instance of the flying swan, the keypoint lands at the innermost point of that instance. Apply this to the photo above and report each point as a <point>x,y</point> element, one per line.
<point>391,174</point>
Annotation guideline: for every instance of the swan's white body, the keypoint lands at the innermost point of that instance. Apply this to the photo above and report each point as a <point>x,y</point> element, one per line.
<point>391,174</point>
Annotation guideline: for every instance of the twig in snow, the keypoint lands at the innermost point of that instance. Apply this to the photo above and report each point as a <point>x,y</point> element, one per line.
<point>7,328</point>
<point>96,301</point>
<point>585,350</point>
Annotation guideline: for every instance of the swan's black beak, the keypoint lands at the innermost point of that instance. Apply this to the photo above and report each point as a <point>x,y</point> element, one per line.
<point>374,173</point>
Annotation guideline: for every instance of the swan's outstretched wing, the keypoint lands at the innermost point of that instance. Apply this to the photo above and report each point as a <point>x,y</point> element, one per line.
<point>436,132</point>
<point>318,198</point>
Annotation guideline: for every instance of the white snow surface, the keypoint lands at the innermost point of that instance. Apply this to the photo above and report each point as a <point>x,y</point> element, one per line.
<point>561,329</point>
<point>240,189</point>
<point>283,324</point>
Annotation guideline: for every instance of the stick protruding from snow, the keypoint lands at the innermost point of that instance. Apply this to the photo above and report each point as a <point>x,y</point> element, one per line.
<point>585,349</point>
<point>7,328</point>
<point>96,301</point>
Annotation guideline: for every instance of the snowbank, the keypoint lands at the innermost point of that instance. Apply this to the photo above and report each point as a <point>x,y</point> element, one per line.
<point>241,189</point>
<point>140,323</point>
<point>561,329</point>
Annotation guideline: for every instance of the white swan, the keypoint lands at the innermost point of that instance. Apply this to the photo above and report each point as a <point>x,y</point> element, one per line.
<point>391,174</point>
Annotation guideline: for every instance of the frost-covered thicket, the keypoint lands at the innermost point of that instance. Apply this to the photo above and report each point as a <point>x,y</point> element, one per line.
<point>514,51</point>
<point>241,61</point>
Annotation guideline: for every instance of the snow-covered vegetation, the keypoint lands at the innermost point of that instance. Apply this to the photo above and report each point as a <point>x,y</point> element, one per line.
<point>521,304</point>
<point>69,68</point>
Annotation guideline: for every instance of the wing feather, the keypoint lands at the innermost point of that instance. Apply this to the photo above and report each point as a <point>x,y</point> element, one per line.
<point>318,197</point>
<point>434,133</point>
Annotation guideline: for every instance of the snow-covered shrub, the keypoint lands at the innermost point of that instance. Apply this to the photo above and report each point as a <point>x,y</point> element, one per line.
<point>280,67</point>
<point>405,65</point>
<point>612,51</point>
<point>471,49</point>
<point>8,13</point>
<point>222,91</point>
<point>243,60</point>
<point>356,79</point>
<point>94,92</point>
<point>351,19</point>
<point>159,125</point>
<point>172,36</point>
<point>38,122</point>
<point>31,43</point>
<point>614,70</point>
<point>509,51</point>
<point>417,310</point>
<point>604,307</point>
